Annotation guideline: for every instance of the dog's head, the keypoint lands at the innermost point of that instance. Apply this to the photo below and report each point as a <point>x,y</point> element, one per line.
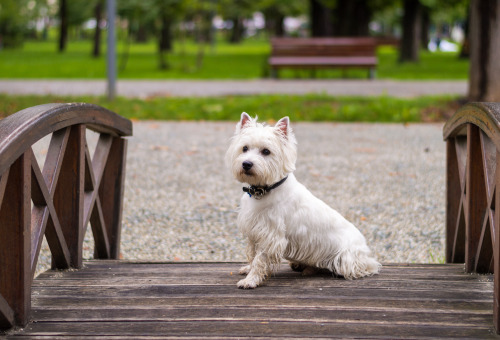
<point>260,154</point>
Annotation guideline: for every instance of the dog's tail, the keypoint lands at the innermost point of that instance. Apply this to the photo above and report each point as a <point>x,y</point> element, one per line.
<point>354,264</point>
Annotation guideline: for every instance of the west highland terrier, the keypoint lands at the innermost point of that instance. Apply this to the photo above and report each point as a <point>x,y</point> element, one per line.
<point>281,218</point>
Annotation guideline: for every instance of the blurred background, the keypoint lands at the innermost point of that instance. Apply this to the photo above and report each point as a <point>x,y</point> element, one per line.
<point>422,40</point>
<point>223,39</point>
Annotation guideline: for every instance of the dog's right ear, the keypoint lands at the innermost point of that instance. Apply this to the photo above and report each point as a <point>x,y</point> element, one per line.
<point>245,120</point>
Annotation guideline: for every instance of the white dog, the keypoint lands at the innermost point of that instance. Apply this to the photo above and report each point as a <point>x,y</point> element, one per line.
<point>281,218</point>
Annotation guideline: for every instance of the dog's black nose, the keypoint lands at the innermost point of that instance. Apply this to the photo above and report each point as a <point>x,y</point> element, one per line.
<point>247,165</point>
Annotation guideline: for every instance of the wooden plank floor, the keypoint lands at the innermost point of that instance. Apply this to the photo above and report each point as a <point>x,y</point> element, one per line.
<point>111,299</point>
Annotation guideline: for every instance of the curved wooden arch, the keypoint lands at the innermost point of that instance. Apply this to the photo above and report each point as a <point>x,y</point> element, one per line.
<point>60,199</point>
<point>486,116</point>
<point>24,128</point>
<point>472,189</point>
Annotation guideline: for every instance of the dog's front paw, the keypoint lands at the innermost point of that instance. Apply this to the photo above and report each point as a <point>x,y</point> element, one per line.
<point>249,283</point>
<point>244,270</point>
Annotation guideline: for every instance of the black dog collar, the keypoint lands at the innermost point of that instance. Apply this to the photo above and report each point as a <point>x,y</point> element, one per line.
<point>260,191</point>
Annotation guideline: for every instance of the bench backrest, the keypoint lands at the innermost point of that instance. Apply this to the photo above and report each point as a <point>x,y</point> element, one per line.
<point>324,47</point>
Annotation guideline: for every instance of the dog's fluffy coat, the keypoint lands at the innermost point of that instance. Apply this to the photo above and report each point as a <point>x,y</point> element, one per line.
<point>289,222</point>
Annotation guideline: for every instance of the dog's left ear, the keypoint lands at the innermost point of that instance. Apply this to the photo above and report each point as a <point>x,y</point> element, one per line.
<point>283,125</point>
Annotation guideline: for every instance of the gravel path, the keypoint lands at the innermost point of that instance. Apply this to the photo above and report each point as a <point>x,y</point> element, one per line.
<point>207,88</point>
<point>180,201</point>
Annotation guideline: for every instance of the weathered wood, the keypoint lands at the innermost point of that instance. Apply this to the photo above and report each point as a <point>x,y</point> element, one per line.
<point>192,300</point>
<point>486,116</point>
<point>358,52</point>
<point>476,200</point>
<point>23,129</point>
<point>68,194</point>
<point>58,201</point>
<point>44,221</point>
<point>111,192</point>
<point>15,240</point>
<point>496,249</point>
<point>453,198</point>
<point>477,214</point>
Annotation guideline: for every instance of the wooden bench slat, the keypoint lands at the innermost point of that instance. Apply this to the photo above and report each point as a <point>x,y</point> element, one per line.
<point>322,61</point>
<point>309,53</point>
<point>263,328</point>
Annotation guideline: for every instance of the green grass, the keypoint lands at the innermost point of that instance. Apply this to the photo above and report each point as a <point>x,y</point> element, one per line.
<point>224,61</point>
<point>268,107</point>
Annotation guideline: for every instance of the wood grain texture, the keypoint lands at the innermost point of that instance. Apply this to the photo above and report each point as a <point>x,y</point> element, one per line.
<point>120,299</point>
<point>59,199</point>
<point>484,115</point>
<point>15,227</point>
<point>22,129</point>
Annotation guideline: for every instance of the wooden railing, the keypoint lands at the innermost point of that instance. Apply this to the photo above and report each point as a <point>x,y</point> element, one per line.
<point>472,189</point>
<point>60,199</point>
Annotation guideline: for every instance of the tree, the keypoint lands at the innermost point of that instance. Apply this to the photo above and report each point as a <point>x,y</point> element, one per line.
<point>484,73</point>
<point>410,40</point>
<point>72,13</point>
<point>167,12</point>
<point>275,12</point>
<point>98,9</point>
<point>236,11</point>
<point>345,11</point>
<point>13,23</point>
<point>321,18</point>
<point>63,24</point>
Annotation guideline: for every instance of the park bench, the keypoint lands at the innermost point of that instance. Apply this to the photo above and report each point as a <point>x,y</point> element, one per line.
<point>315,53</point>
<point>112,298</point>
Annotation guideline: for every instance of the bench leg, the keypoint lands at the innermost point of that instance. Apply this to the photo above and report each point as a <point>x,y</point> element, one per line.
<point>372,73</point>
<point>274,73</point>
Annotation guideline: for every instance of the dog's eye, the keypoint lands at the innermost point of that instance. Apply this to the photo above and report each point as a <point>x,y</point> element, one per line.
<point>266,152</point>
<point>245,148</point>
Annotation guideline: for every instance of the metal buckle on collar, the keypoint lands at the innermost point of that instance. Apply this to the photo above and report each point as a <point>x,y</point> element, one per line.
<point>258,193</point>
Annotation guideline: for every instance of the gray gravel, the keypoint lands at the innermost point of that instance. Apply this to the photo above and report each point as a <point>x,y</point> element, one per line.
<point>180,201</point>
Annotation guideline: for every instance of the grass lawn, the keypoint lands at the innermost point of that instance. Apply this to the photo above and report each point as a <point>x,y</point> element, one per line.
<point>247,60</point>
<point>268,107</point>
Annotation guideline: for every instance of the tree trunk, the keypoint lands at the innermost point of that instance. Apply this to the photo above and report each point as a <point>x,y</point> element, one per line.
<point>425,23</point>
<point>63,29</point>
<point>410,41</point>
<point>141,36</point>
<point>274,22</point>
<point>237,31</point>
<point>97,33</point>
<point>164,40</point>
<point>484,73</point>
<point>345,11</point>
<point>465,48</point>
<point>321,20</point>
<point>279,25</point>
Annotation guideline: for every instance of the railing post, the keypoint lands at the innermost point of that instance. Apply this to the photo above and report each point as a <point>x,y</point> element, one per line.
<point>496,249</point>
<point>476,198</point>
<point>15,244</point>
<point>453,198</point>
<point>111,193</point>
<point>68,196</point>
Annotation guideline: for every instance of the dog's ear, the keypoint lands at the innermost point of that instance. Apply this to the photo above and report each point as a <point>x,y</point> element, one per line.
<point>244,122</point>
<point>283,126</point>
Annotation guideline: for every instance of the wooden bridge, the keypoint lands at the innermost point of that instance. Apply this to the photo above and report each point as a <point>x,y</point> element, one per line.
<point>110,298</point>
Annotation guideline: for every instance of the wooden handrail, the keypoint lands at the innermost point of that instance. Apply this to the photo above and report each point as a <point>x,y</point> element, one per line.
<point>472,137</point>
<point>24,128</point>
<point>59,200</point>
